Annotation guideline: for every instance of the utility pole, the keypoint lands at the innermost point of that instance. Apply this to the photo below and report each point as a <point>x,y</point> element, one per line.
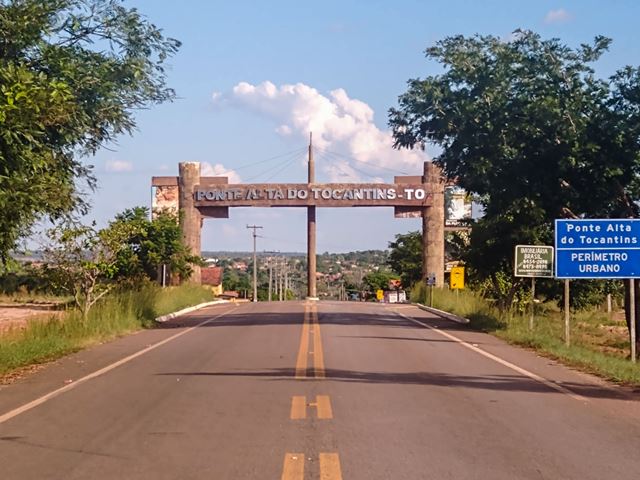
<point>270,276</point>
<point>286,280</point>
<point>281,281</point>
<point>255,264</point>
<point>277,278</point>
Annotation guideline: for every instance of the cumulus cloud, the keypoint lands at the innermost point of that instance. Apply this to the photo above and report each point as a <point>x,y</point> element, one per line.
<point>343,128</point>
<point>557,16</point>
<point>118,166</point>
<point>218,170</point>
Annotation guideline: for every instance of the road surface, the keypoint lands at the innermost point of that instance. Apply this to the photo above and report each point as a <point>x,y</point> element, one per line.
<point>297,390</point>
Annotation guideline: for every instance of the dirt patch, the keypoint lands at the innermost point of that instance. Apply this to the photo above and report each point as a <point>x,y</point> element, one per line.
<point>18,316</point>
<point>20,373</point>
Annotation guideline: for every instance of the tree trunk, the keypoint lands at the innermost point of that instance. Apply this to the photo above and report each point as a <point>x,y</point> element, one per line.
<point>627,311</point>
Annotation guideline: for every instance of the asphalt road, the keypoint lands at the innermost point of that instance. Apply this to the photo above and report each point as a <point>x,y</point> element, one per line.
<point>296,391</point>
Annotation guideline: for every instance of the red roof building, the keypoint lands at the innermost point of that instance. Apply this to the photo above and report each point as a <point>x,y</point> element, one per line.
<point>212,276</point>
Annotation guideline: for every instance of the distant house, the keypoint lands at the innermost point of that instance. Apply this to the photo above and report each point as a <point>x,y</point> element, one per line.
<point>242,266</point>
<point>230,295</point>
<point>212,276</point>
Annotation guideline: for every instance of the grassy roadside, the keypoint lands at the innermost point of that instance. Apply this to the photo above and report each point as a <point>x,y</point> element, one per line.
<point>43,341</point>
<point>599,342</point>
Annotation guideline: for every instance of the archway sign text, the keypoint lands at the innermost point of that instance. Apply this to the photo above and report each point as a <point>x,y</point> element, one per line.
<point>307,195</point>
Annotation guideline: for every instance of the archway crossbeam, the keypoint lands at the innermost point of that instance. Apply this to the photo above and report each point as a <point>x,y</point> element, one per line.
<point>411,196</point>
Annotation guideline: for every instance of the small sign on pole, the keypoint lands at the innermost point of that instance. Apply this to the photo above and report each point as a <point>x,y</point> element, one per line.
<point>456,280</point>
<point>533,261</point>
<point>431,281</point>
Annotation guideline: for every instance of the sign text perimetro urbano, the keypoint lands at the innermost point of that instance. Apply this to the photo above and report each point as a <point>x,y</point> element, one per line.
<point>299,195</point>
<point>598,248</point>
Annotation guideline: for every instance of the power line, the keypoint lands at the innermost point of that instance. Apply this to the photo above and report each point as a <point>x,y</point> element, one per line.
<point>286,154</point>
<point>332,159</point>
<point>348,157</point>
<point>279,166</point>
<point>285,166</point>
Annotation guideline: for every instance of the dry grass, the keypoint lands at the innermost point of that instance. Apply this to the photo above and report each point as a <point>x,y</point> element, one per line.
<point>45,340</point>
<point>599,342</point>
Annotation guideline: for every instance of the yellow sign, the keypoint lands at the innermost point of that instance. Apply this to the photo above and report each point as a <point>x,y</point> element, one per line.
<point>379,294</point>
<point>457,277</point>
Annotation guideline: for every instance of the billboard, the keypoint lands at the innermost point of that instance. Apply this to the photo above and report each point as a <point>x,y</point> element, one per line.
<point>457,206</point>
<point>165,199</point>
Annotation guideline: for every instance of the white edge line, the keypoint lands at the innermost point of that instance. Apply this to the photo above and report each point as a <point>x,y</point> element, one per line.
<point>45,398</point>
<point>499,360</point>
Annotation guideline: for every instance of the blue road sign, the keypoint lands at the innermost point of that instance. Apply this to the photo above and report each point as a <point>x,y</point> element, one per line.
<point>603,248</point>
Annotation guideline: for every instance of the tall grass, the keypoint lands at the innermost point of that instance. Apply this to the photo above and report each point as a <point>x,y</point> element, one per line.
<point>599,344</point>
<point>117,314</point>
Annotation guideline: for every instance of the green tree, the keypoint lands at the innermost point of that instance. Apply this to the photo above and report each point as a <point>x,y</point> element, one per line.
<point>234,280</point>
<point>405,257</point>
<point>528,128</point>
<point>379,280</point>
<point>82,261</point>
<point>72,73</point>
<point>150,244</point>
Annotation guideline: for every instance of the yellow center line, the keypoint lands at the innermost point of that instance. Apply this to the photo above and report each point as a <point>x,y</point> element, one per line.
<point>330,466</point>
<point>303,352</point>
<point>293,468</point>
<point>323,406</point>
<point>318,354</point>
<point>298,407</point>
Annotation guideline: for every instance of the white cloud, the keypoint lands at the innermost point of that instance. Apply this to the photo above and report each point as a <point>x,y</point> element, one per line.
<point>340,125</point>
<point>557,16</point>
<point>219,170</point>
<point>284,130</point>
<point>118,166</point>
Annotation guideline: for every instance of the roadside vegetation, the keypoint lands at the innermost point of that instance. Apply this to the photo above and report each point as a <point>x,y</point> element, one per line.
<point>599,340</point>
<point>122,312</point>
<point>102,282</point>
<point>74,73</point>
<point>525,127</point>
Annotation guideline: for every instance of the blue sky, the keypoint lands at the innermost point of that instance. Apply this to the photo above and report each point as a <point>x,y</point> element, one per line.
<point>279,68</point>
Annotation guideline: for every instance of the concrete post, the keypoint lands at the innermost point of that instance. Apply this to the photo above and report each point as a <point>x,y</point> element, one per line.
<point>433,225</point>
<point>312,292</point>
<point>190,218</point>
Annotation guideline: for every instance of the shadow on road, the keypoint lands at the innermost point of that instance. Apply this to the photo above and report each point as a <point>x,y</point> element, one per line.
<point>509,383</point>
<point>248,319</point>
<point>388,320</point>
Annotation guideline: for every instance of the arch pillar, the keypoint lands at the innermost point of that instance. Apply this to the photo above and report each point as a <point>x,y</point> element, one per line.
<point>433,225</point>
<point>190,217</point>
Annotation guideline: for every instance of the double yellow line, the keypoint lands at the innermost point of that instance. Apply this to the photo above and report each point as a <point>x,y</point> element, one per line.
<point>293,468</point>
<point>311,345</point>
<point>310,335</point>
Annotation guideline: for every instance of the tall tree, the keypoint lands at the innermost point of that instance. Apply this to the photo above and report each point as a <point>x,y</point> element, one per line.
<point>72,74</point>
<point>528,128</point>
